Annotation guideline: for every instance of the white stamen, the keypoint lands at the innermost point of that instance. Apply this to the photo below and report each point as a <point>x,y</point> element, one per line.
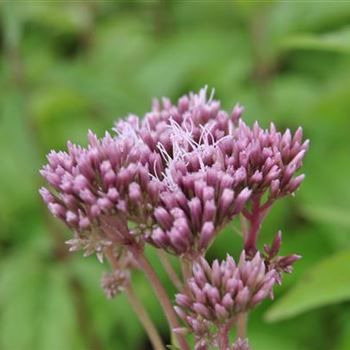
<point>211,96</point>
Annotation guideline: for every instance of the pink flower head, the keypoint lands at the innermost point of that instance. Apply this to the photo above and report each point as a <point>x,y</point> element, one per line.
<point>179,175</point>
<point>265,160</point>
<point>197,200</point>
<point>216,294</point>
<point>241,344</point>
<point>89,187</point>
<point>191,113</point>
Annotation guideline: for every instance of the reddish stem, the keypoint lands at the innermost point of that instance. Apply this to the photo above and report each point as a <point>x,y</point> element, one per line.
<point>139,309</point>
<point>242,326</point>
<point>255,219</point>
<point>255,223</point>
<point>224,333</point>
<point>118,232</point>
<point>162,296</point>
<point>145,319</point>
<point>170,270</point>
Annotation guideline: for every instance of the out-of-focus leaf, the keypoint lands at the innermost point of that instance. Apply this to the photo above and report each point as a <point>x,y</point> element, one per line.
<point>173,347</point>
<point>338,41</point>
<point>36,304</point>
<point>19,161</point>
<point>289,17</point>
<point>326,283</point>
<point>64,17</point>
<point>18,309</point>
<point>58,314</point>
<point>344,339</point>
<point>194,54</point>
<point>112,320</point>
<point>260,340</point>
<point>332,215</point>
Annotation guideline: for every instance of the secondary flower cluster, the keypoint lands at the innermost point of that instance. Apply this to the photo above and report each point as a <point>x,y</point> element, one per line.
<point>116,281</point>
<point>174,179</point>
<point>216,294</point>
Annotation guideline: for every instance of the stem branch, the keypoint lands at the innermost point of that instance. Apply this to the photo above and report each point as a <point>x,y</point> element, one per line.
<point>242,326</point>
<point>186,267</point>
<point>255,223</point>
<point>144,318</point>
<point>170,270</point>
<point>162,296</point>
<point>224,333</point>
<point>139,309</point>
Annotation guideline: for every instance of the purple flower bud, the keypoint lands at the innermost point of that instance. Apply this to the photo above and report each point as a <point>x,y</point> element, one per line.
<point>57,210</point>
<point>71,217</point>
<point>209,211</point>
<point>135,191</point>
<point>46,195</point>
<point>163,218</point>
<point>256,177</point>
<point>276,245</point>
<point>201,310</point>
<point>84,223</point>
<point>243,297</point>
<point>226,200</point>
<point>258,297</point>
<point>242,198</point>
<point>206,236</point>
<point>227,300</point>
<point>208,194</point>
<point>237,112</point>
<point>159,238</point>
<point>221,312</point>
<point>112,194</point>
<point>295,183</point>
<point>178,240</point>
<point>195,212</point>
<point>95,210</point>
<point>87,196</point>
<point>274,187</point>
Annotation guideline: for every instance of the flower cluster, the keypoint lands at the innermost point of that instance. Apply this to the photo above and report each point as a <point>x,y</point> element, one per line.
<point>174,179</point>
<point>265,159</point>
<point>114,282</point>
<point>102,185</point>
<point>181,174</point>
<point>241,344</point>
<point>216,294</point>
<point>190,216</point>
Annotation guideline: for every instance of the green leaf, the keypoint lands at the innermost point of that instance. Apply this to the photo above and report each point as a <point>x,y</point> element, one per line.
<point>59,314</point>
<point>327,214</point>
<point>172,347</point>
<point>21,294</point>
<point>326,283</point>
<point>337,41</point>
<point>37,306</point>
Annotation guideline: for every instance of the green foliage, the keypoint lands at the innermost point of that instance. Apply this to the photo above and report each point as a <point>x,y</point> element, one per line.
<point>326,283</point>
<point>66,67</point>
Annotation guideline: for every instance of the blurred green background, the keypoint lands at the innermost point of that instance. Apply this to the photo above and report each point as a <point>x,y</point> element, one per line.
<point>69,66</point>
